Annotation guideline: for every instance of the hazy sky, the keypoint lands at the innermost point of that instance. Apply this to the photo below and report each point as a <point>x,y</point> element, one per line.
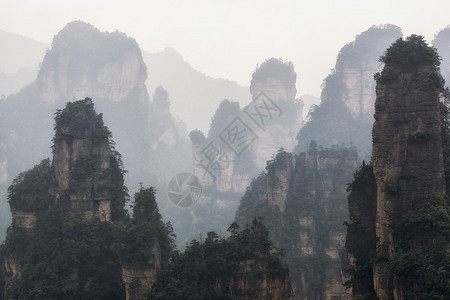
<point>228,38</point>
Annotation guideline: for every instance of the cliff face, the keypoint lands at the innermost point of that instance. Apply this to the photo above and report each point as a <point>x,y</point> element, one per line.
<point>407,153</point>
<point>278,112</point>
<point>344,115</point>
<point>108,70</point>
<point>360,242</point>
<point>81,160</point>
<point>305,207</point>
<point>241,140</point>
<point>66,221</point>
<point>409,174</point>
<point>85,62</point>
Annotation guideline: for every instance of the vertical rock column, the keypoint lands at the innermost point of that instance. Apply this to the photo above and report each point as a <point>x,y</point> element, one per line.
<point>407,146</point>
<point>81,159</point>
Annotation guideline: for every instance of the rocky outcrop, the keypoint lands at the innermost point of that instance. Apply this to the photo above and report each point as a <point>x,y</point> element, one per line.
<point>344,115</point>
<point>101,69</point>
<point>139,278</point>
<point>407,152</point>
<point>68,212</point>
<point>408,173</point>
<point>21,219</point>
<point>304,205</point>
<point>279,180</point>
<point>108,67</point>
<point>81,160</point>
<point>241,140</point>
<point>274,108</point>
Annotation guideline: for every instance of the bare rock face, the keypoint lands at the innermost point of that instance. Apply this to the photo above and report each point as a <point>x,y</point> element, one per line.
<point>116,72</point>
<point>81,160</point>
<point>276,110</point>
<point>344,115</point>
<point>356,64</point>
<point>408,175</point>
<point>407,148</point>
<point>278,181</point>
<point>139,278</point>
<point>22,219</point>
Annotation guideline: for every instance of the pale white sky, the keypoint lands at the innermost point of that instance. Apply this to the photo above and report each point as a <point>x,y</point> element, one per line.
<point>227,39</point>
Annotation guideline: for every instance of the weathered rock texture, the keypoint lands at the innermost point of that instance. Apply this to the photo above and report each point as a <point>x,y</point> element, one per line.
<point>68,211</point>
<point>279,114</point>
<point>305,207</point>
<point>344,115</point>
<point>112,73</point>
<point>361,240</point>
<point>139,278</point>
<point>407,154</point>
<point>81,160</point>
<point>408,173</point>
<point>108,67</point>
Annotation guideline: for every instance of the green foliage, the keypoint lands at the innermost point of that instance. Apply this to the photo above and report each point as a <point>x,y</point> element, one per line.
<point>30,190</point>
<point>119,192</point>
<point>411,52</point>
<point>137,236</point>
<point>359,180</point>
<point>83,167</point>
<point>430,222</point>
<point>206,270</point>
<point>78,119</point>
<point>331,123</point>
<point>427,269</point>
<point>65,259</point>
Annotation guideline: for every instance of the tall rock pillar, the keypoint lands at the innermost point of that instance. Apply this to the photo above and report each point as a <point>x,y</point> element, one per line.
<point>407,149</point>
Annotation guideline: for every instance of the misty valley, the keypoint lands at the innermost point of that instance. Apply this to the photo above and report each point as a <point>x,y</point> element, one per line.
<point>106,194</point>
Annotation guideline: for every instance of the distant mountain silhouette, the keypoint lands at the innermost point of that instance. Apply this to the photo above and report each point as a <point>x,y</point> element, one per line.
<point>19,60</point>
<point>194,96</point>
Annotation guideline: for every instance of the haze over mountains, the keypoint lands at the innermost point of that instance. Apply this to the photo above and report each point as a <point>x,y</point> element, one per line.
<point>20,58</point>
